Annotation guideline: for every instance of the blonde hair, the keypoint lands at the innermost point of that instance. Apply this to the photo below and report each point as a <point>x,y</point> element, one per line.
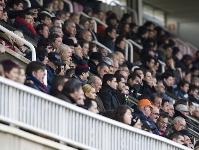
<point>87,88</point>
<point>1,71</point>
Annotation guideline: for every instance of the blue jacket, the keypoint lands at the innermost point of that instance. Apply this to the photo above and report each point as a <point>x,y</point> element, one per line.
<point>181,94</point>
<point>50,74</point>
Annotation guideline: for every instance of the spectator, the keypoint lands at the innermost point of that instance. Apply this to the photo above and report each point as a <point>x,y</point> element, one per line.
<point>171,110</point>
<point>135,122</point>
<point>82,72</point>
<point>42,30</point>
<point>102,69</point>
<point>60,71</point>
<point>182,89</point>
<point>61,15</point>
<point>179,123</point>
<point>148,62</point>
<point>121,58</point>
<point>156,100</point>
<point>120,44</point>
<point>177,137</point>
<point>187,76</point>
<point>35,73</point>
<point>84,22</point>
<point>56,30</point>
<point>70,43</point>
<point>46,44</point>
<point>125,68</point>
<point>195,81</point>
<point>88,10</point>
<point>164,106</point>
<point>91,106</point>
<point>193,94</point>
<point>56,40</point>
<point>134,84</point>
<point>108,92</point>
<point>92,48</point>
<point>70,73</point>
<point>85,35</point>
<point>55,22</point>
<point>71,92</point>
<point>153,119</point>
<point>11,69</point>
<point>162,123</point>
<point>24,22</point>
<point>85,48</point>
<point>94,60</point>
<point>167,81</point>
<point>57,85</point>
<point>176,52</point>
<point>45,19</point>
<point>187,138</point>
<point>42,55</point>
<point>110,35</point>
<point>186,62</point>
<point>69,29</point>
<point>21,77</point>
<point>4,16</point>
<point>47,7</point>
<point>54,62</point>
<point>103,51</point>
<point>89,92</point>
<point>16,6</point>
<point>181,110</point>
<point>123,114</point>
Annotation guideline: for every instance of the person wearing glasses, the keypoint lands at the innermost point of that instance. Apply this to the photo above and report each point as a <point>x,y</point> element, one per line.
<point>153,119</point>
<point>162,123</point>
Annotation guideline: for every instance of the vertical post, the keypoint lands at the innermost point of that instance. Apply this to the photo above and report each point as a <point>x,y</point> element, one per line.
<point>139,12</point>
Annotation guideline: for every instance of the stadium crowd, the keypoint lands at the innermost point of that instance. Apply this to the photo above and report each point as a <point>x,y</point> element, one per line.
<point>86,75</point>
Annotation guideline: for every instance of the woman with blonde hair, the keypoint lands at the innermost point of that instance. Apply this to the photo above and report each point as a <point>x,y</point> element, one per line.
<point>89,91</point>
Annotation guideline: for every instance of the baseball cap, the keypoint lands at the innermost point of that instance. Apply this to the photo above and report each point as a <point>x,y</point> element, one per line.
<point>145,102</point>
<point>181,107</point>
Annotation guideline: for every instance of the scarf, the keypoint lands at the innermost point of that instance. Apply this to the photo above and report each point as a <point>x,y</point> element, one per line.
<point>36,81</point>
<point>28,25</point>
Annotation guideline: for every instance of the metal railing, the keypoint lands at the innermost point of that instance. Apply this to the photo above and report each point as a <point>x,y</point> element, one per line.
<point>127,51</point>
<point>21,40</point>
<point>101,45</point>
<point>70,5</point>
<point>28,2</point>
<point>38,112</point>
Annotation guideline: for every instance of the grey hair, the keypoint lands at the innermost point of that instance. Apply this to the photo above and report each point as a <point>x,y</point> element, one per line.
<point>176,119</point>
<point>92,79</point>
<point>62,47</point>
<point>68,23</point>
<point>54,29</point>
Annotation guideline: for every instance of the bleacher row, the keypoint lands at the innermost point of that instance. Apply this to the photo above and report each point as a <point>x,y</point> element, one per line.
<point>194,122</point>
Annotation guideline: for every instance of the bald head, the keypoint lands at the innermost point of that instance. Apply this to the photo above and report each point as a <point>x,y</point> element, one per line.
<point>121,57</point>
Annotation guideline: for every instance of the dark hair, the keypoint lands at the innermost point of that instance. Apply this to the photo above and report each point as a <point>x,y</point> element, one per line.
<point>119,113</point>
<point>119,77</point>
<point>82,42</point>
<point>41,53</point>
<point>175,135</point>
<point>69,72</point>
<point>102,65</point>
<point>119,39</point>
<point>40,27</point>
<point>186,57</point>
<point>182,83</point>
<point>145,71</point>
<point>164,100</point>
<point>193,88</point>
<point>59,13</point>
<point>147,58</point>
<point>43,16</point>
<point>43,42</point>
<point>67,23</point>
<point>109,30</point>
<point>47,4</point>
<point>194,69</point>
<point>138,69</point>
<point>71,85</point>
<point>148,23</point>
<point>124,17</point>
<point>154,96</point>
<point>53,37</point>
<point>34,66</point>
<point>87,104</point>
<point>166,75</point>
<point>108,77</point>
<point>163,115</point>
<point>54,29</point>
<point>17,2</point>
<point>53,19</point>
<point>133,76</point>
<point>57,80</point>
<point>23,13</point>
<point>8,65</point>
<point>122,30</point>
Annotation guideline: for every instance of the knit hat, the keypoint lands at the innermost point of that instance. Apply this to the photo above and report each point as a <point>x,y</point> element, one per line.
<point>96,56</point>
<point>82,67</point>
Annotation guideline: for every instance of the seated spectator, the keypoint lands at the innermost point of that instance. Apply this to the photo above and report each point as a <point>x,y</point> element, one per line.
<point>108,92</point>
<point>42,55</point>
<point>69,29</point>
<point>22,76</point>
<point>70,43</point>
<point>82,72</point>
<point>89,92</point>
<point>103,51</point>
<point>88,10</point>
<point>70,73</point>
<point>186,62</point>
<point>45,19</point>
<point>35,73</point>
<point>54,62</point>
<point>193,94</point>
<point>181,110</point>
<point>187,138</point>
<point>121,58</point>
<point>56,40</point>
<point>134,84</point>
<point>102,69</point>
<point>148,62</point>
<point>164,106</point>
<point>61,15</point>
<point>11,69</point>
<point>16,6</point>
<point>156,100</point>
<point>42,30</point>
<point>55,22</point>
<point>135,122</point>
<point>153,120</point>
<point>177,137</point>
<point>4,16</point>
<point>120,44</point>
<point>179,123</point>
<point>60,71</point>
<point>46,44</point>
<point>195,81</point>
<point>171,110</point>
<point>110,35</point>
<point>91,106</point>
<point>95,58</point>
<point>85,48</point>
<point>124,68</point>
<point>71,91</point>
<point>182,89</point>
<point>65,53</point>
<point>115,66</point>
<point>194,71</point>
<point>56,30</point>
<point>187,76</point>
<point>123,114</point>
<point>24,22</point>
<point>85,35</point>
<point>162,123</point>
<point>84,22</point>
<point>47,7</point>
<point>92,48</point>
<point>167,79</point>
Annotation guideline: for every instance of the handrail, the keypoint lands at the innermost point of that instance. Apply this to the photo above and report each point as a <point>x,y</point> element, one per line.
<point>95,24</point>
<point>70,5</point>
<point>101,45</point>
<point>127,8</point>
<point>29,3</point>
<point>131,51</point>
<point>192,46</point>
<point>21,40</point>
<point>135,44</point>
<point>34,110</point>
<point>100,22</point>
<point>40,2</point>
<point>185,44</point>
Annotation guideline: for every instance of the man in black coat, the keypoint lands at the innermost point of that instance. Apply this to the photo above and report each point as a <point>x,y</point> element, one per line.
<point>108,92</point>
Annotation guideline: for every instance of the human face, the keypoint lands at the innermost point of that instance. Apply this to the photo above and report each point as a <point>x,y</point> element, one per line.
<point>185,88</point>
<point>196,112</point>
<point>140,72</point>
<point>162,124</point>
<point>62,72</point>
<point>158,102</point>
<point>169,81</point>
<point>56,23</point>
<point>72,29</point>
<point>28,19</point>
<point>45,61</point>
<point>97,85</point>
<point>85,75</point>
<point>169,52</point>
<point>4,16</point>
<point>151,63</point>
<point>138,124</point>
<point>91,94</point>
<point>39,74</point>
<point>86,25</point>
<point>115,66</point>
<point>57,43</point>
<point>66,55</point>
<point>17,42</point>
<point>135,81</point>
<point>180,125</point>
<point>49,49</point>
<point>126,69</point>
<point>121,84</point>
<point>79,97</point>
<point>112,34</point>
<point>22,76</point>
<point>45,32</point>
<point>59,32</point>
<point>47,21</point>
<point>85,49</point>
<point>154,114</point>
<point>187,140</point>
<point>127,117</point>
<point>188,78</point>
<point>103,71</point>
<point>171,110</point>
<point>78,51</point>
<point>160,87</point>
<point>165,108</point>
<point>93,108</point>
<point>18,7</point>
<point>104,53</point>
<point>121,59</point>
<point>113,83</point>
<point>75,19</point>
<point>111,70</point>
<point>185,113</point>
<point>129,20</point>
<point>148,77</point>
<point>147,111</point>
<point>180,140</point>
<point>87,36</point>
<point>122,45</point>
<point>13,74</point>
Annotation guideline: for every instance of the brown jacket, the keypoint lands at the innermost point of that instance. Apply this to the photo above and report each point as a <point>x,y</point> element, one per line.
<point>100,105</point>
